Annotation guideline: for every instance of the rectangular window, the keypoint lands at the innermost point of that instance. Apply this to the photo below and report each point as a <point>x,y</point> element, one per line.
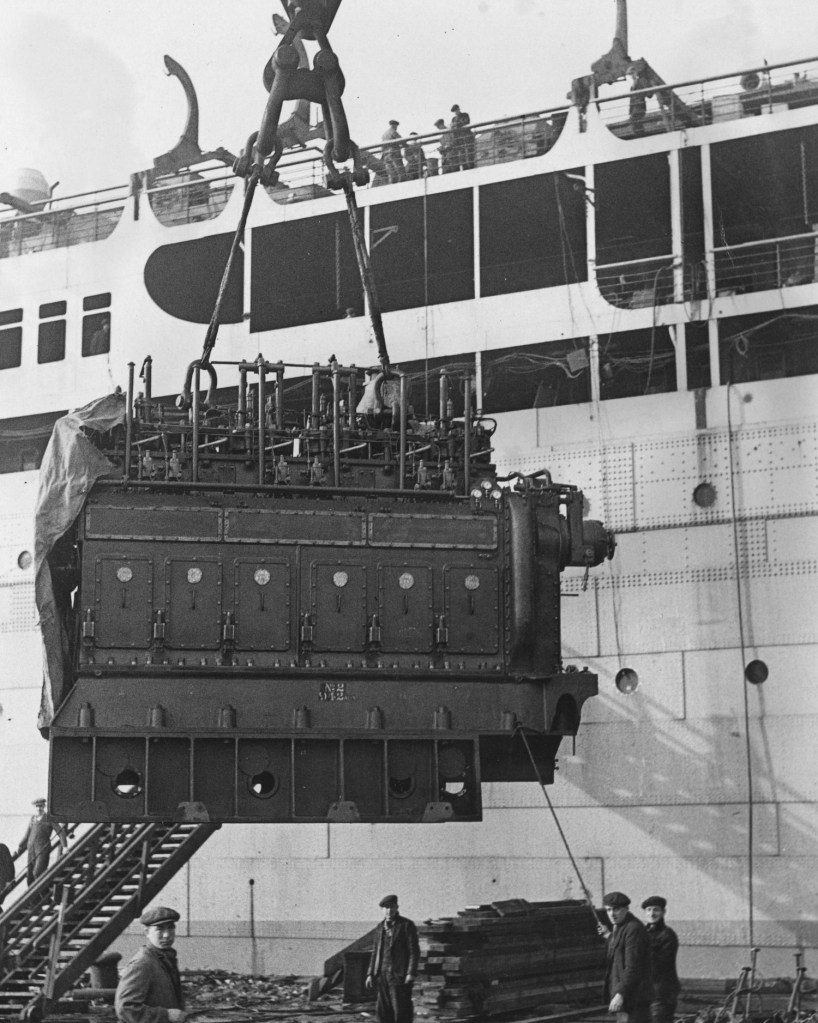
<point>96,334</point>
<point>53,309</point>
<point>766,346</point>
<point>10,316</point>
<point>536,376</point>
<point>11,346</point>
<point>51,341</point>
<point>304,271</point>
<point>423,250</point>
<point>96,302</point>
<point>637,362</point>
<point>765,187</point>
<point>532,233</point>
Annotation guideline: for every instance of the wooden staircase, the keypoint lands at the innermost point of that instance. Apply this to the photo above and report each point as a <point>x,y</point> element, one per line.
<point>69,917</point>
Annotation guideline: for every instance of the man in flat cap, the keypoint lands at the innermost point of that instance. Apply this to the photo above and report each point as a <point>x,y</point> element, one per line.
<point>664,945</point>
<point>393,964</point>
<point>37,841</point>
<point>628,986</point>
<point>462,139</point>
<point>391,153</point>
<point>149,990</point>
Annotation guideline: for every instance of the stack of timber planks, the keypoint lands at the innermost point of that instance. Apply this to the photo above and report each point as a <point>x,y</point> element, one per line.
<point>511,955</point>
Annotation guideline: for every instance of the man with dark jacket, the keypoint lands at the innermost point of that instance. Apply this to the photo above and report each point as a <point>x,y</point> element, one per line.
<point>149,990</point>
<point>664,944</point>
<point>393,964</point>
<point>37,841</point>
<point>628,986</point>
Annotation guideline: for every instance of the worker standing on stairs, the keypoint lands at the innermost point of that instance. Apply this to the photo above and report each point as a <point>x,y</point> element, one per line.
<point>150,990</point>
<point>37,841</point>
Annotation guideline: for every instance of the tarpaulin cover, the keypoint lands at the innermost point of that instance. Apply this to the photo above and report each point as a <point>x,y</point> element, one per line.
<point>71,466</point>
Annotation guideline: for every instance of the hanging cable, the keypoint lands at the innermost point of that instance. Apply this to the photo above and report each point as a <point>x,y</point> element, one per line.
<point>238,241</point>
<point>366,274</point>
<point>426,295</point>
<point>747,743</point>
<point>520,730</point>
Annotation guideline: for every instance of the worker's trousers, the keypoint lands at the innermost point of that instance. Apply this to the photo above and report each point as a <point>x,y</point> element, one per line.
<point>394,1001</point>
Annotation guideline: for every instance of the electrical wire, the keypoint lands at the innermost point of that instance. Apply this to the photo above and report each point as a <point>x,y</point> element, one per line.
<point>747,742</point>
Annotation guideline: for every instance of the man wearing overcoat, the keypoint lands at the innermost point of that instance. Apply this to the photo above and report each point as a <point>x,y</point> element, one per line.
<point>150,990</point>
<point>393,964</point>
<point>628,985</point>
<point>664,945</point>
<point>37,841</point>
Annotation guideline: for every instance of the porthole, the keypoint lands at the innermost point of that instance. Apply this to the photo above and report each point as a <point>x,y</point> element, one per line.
<point>704,495</point>
<point>124,573</point>
<point>194,575</point>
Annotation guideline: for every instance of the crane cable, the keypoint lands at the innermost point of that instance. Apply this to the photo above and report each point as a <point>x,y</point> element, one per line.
<point>237,243</point>
<point>366,274</point>
<point>520,730</point>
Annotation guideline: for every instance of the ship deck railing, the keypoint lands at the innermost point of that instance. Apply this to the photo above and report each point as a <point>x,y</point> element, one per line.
<point>63,221</point>
<point>752,92</point>
<point>766,264</point>
<point>199,194</point>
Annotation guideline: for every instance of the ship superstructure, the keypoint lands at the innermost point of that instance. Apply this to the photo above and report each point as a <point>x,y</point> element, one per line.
<point>632,287</point>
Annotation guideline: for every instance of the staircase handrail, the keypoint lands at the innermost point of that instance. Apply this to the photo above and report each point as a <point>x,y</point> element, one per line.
<point>137,837</point>
<point>20,876</point>
<point>70,972</point>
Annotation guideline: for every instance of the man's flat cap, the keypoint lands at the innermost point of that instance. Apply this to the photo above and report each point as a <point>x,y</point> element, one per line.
<point>159,915</point>
<point>396,123</point>
<point>655,900</point>
<point>38,802</point>
<point>388,900</point>
<point>455,107</point>
<point>616,900</point>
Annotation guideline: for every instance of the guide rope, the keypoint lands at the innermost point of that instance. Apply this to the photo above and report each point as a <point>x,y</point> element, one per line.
<point>520,730</point>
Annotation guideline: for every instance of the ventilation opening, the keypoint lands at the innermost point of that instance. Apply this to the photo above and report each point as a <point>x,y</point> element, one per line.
<point>263,785</point>
<point>402,788</point>
<point>128,784</point>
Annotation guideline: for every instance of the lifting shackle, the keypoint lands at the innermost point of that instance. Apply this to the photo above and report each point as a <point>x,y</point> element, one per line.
<point>324,84</point>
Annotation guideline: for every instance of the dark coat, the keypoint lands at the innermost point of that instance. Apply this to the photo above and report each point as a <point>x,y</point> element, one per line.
<point>148,987</point>
<point>405,949</point>
<point>664,944</point>
<point>628,970</point>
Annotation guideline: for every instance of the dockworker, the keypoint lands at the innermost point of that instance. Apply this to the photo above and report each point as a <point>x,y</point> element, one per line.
<point>393,964</point>
<point>628,986</point>
<point>445,147</point>
<point>391,153</point>
<point>462,138</point>
<point>664,946</point>
<point>37,841</point>
<point>415,157</point>
<point>6,871</point>
<point>150,990</point>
